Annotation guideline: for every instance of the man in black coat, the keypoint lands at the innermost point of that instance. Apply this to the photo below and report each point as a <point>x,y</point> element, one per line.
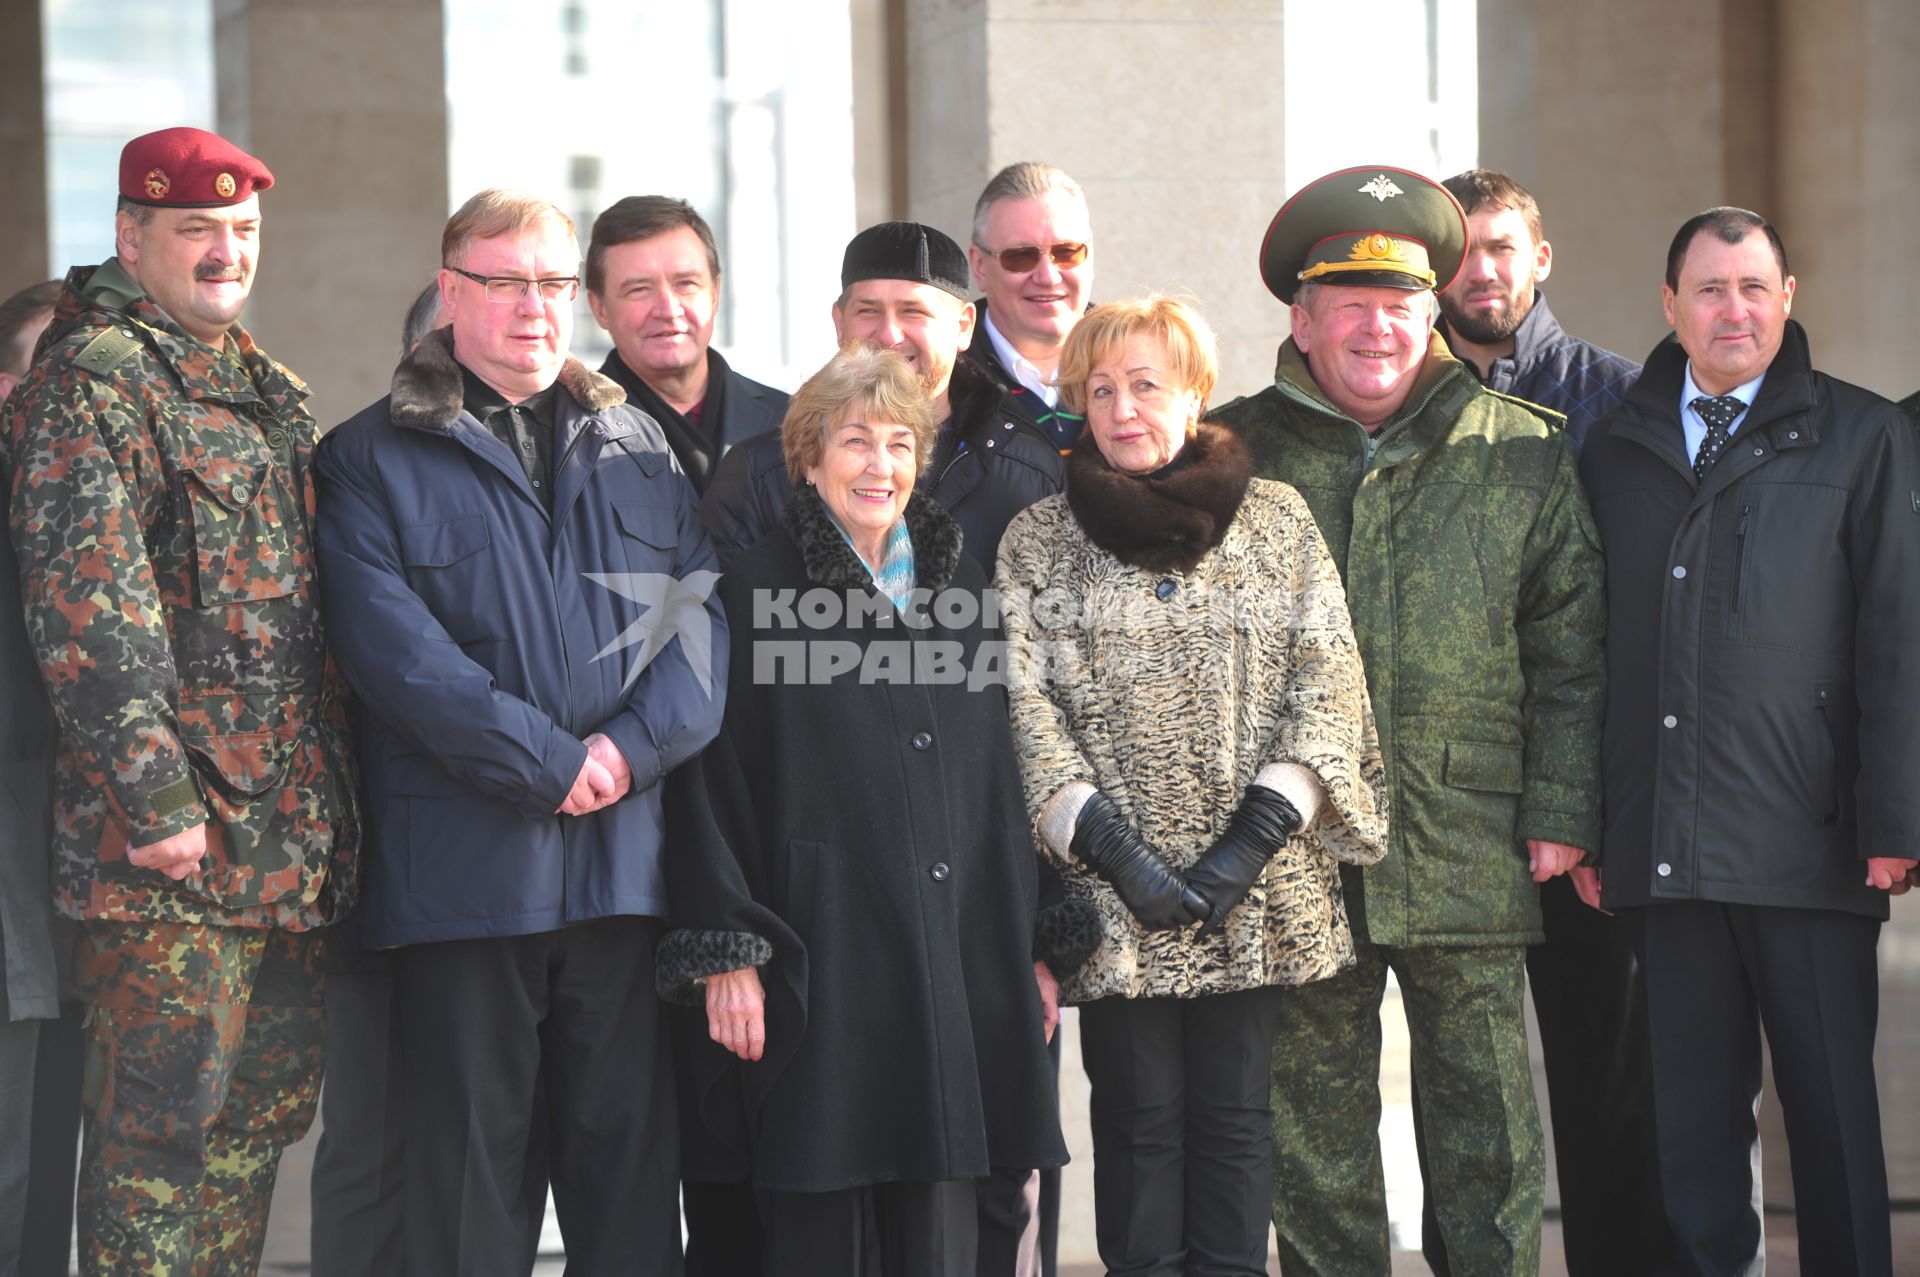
<point>1032,258</point>
<point>653,281</point>
<point>904,286</point>
<point>1761,522</point>
<point>1585,979</point>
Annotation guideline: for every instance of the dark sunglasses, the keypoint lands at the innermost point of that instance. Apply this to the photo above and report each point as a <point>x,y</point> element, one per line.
<point>1018,261</point>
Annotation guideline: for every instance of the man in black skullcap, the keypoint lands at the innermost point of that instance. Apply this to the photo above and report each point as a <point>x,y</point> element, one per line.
<point>904,286</point>
<point>1474,579</point>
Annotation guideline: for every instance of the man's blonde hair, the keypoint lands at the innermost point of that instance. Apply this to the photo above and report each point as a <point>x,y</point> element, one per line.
<point>495,212</point>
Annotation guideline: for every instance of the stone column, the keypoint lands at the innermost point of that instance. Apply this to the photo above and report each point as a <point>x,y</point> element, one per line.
<point>346,103</point>
<point>1849,160</point>
<point>1624,120</point>
<point>1168,113</point>
<point>23,153</point>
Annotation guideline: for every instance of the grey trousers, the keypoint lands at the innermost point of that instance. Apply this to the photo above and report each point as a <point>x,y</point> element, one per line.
<point>18,1044</point>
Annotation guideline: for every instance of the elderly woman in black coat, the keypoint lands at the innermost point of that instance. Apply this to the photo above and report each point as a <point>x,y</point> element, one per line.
<point>855,881</point>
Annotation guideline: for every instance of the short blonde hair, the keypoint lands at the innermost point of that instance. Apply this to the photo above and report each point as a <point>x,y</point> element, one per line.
<point>862,377</point>
<point>495,212</point>
<point>1192,359</point>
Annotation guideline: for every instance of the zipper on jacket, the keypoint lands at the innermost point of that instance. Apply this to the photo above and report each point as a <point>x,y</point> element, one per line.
<point>1739,554</point>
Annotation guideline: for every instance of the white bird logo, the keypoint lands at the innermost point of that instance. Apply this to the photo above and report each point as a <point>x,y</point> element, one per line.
<point>670,606</point>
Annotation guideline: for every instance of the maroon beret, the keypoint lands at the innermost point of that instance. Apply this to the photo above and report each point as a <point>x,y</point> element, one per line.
<point>189,168</point>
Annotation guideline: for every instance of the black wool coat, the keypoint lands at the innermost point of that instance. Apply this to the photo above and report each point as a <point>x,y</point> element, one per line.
<point>863,839</point>
<point>1005,465</point>
<point>1763,642</point>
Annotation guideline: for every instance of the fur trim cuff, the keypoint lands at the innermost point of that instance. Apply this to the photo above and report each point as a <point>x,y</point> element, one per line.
<point>1061,814</point>
<point>687,957</point>
<point>1298,785</point>
<point>1065,936</point>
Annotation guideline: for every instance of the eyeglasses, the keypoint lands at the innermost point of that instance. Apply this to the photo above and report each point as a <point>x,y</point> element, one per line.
<point>507,290</point>
<point>1018,261</point>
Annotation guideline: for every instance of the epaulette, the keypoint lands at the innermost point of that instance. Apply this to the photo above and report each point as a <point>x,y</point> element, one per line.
<point>106,352</point>
<point>1552,418</point>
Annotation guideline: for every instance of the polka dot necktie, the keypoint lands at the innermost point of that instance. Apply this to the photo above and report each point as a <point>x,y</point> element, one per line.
<point>1719,412</point>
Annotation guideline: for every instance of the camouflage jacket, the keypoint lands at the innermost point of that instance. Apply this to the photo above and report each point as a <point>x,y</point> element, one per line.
<point>161,507</point>
<point>1474,576</point>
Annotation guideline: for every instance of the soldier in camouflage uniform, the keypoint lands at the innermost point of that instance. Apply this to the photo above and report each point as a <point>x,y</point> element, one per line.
<point>1474,578</point>
<point>161,507</point>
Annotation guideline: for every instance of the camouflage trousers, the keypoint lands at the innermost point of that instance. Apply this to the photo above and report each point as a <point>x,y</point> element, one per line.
<point>204,1049</point>
<point>1466,1021</point>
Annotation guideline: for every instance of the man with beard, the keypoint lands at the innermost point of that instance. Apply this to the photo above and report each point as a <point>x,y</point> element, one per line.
<point>1496,319</point>
<point>904,286</point>
<point>1586,982</point>
<point>1032,257</point>
<point>653,280</point>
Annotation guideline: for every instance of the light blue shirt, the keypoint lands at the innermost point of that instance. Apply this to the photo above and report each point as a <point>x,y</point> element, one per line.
<point>1693,427</point>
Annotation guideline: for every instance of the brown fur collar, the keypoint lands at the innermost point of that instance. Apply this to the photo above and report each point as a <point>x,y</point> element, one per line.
<point>1167,524</point>
<point>832,562</point>
<point>427,389</point>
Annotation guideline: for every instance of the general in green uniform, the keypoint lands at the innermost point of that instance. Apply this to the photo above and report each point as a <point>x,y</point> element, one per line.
<point>161,508</point>
<point>1474,578</point>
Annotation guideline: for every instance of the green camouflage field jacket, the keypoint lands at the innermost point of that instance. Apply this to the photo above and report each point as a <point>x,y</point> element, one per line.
<point>161,506</point>
<point>1474,576</point>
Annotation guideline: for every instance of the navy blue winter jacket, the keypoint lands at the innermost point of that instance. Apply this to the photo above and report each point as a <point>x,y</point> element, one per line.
<point>485,639</point>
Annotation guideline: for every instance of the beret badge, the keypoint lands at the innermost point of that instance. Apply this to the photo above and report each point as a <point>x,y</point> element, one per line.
<point>157,184</point>
<point>224,185</point>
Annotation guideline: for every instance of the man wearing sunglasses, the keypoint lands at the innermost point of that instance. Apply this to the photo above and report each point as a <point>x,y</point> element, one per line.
<point>1032,255</point>
<point>503,538</point>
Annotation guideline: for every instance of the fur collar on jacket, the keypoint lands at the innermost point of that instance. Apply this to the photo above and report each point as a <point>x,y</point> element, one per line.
<point>428,390</point>
<point>1166,524</point>
<point>832,562</point>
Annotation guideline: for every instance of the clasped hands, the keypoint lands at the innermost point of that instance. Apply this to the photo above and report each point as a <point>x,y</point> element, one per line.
<point>604,778</point>
<point>1164,899</point>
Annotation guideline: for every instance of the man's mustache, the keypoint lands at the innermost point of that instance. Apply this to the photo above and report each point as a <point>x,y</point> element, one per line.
<point>233,273</point>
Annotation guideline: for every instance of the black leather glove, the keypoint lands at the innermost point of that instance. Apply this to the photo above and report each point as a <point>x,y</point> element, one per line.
<point>1229,868</point>
<point>1147,885</point>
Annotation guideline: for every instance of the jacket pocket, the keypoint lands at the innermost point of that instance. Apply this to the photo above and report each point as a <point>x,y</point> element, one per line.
<point>648,535</point>
<point>1497,769</point>
<point>240,549</point>
<point>447,566</point>
<point>1828,795</point>
<point>275,810</point>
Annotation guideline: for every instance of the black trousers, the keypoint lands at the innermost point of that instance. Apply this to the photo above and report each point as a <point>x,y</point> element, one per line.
<point>1590,999</point>
<point>40,1071</point>
<point>1182,1119</point>
<point>484,1023</point>
<point>877,1230</point>
<point>1715,974</point>
<point>357,1189</point>
<point>1020,1215</point>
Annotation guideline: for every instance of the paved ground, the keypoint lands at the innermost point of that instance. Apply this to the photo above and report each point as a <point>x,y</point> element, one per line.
<point>1899,1055</point>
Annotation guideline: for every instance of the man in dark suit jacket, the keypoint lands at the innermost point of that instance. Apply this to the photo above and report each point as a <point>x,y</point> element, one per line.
<point>1761,522</point>
<point>653,280</point>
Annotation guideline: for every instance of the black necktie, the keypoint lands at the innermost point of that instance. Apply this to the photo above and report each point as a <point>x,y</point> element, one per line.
<point>1719,412</point>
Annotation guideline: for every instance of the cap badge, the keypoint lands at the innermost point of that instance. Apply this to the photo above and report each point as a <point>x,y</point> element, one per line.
<point>223,186</point>
<point>157,184</point>
<point>1377,248</point>
<point>1381,188</point>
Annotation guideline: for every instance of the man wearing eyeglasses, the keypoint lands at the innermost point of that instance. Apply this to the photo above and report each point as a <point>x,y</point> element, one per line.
<point>524,599</point>
<point>1032,255</point>
<point>203,812</point>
